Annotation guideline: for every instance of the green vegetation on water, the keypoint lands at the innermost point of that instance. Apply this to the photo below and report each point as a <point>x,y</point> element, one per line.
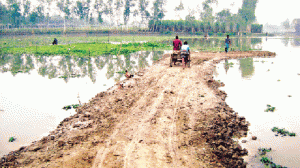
<point>11,139</point>
<point>70,106</point>
<point>87,49</point>
<point>41,40</point>
<point>270,108</point>
<point>283,131</point>
<point>265,160</point>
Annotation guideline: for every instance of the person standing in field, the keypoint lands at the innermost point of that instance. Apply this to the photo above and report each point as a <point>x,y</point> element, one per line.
<point>227,43</point>
<point>176,46</point>
<point>185,52</point>
<point>55,42</point>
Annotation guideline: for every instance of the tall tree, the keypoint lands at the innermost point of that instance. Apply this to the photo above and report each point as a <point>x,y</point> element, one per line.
<point>143,4</point>
<point>64,8</point>
<point>109,10</point>
<point>82,9</point>
<point>4,14</point>
<point>207,14</point>
<point>118,5</point>
<point>48,10</point>
<point>128,5</point>
<point>14,12</point>
<point>98,6</point>
<point>26,7</point>
<point>158,13</point>
<point>191,15</point>
<point>223,16</point>
<point>247,13</point>
<point>158,9</point>
<point>178,9</point>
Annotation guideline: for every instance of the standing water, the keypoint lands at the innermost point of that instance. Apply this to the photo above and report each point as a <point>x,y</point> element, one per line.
<point>251,84</point>
<point>34,89</point>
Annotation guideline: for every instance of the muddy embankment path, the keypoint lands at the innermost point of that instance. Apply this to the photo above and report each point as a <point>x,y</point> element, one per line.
<point>163,117</point>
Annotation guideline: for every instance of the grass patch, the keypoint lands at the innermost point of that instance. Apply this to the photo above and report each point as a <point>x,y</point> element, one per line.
<point>283,131</point>
<point>87,49</point>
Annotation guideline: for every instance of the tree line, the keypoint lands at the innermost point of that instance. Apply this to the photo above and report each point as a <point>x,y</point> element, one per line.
<point>22,13</point>
<point>223,21</point>
<point>18,13</point>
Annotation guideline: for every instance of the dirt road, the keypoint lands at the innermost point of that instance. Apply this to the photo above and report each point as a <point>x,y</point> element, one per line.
<point>165,117</point>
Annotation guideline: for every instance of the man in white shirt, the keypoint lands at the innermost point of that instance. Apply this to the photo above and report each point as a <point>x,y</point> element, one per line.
<point>185,52</point>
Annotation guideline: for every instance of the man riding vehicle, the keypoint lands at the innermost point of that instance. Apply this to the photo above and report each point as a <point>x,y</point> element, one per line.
<point>176,47</point>
<point>185,53</point>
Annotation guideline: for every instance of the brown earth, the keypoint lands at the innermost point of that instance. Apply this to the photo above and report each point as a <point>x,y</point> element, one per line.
<point>164,117</point>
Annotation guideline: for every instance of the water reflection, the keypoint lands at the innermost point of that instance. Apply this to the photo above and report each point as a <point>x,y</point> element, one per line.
<point>27,113</point>
<point>250,98</point>
<point>285,41</point>
<point>296,43</point>
<point>67,67</point>
<point>226,66</point>
<point>246,67</point>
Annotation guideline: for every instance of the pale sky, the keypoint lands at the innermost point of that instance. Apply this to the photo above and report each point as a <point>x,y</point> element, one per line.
<point>271,11</point>
<point>267,11</point>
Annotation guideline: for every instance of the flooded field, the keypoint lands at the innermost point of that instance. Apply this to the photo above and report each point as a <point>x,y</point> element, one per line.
<point>34,89</point>
<point>252,84</point>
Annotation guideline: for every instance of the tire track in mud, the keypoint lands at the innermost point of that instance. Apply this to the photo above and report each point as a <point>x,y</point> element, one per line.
<point>101,155</point>
<point>136,153</point>
<point>162,149</point>
<point>139,132</point>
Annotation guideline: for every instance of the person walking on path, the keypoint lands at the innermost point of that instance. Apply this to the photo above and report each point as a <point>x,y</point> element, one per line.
<point>176,46</point>
<point>185,52</point>
<point>227,43</point>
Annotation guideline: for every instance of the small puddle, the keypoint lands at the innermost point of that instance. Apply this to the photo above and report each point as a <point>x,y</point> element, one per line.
<point>34,89</point>
<point>251,84</point>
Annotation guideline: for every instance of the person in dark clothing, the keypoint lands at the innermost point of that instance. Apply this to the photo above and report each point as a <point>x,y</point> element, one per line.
<point>227,43</point>
<point>55,42</point>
